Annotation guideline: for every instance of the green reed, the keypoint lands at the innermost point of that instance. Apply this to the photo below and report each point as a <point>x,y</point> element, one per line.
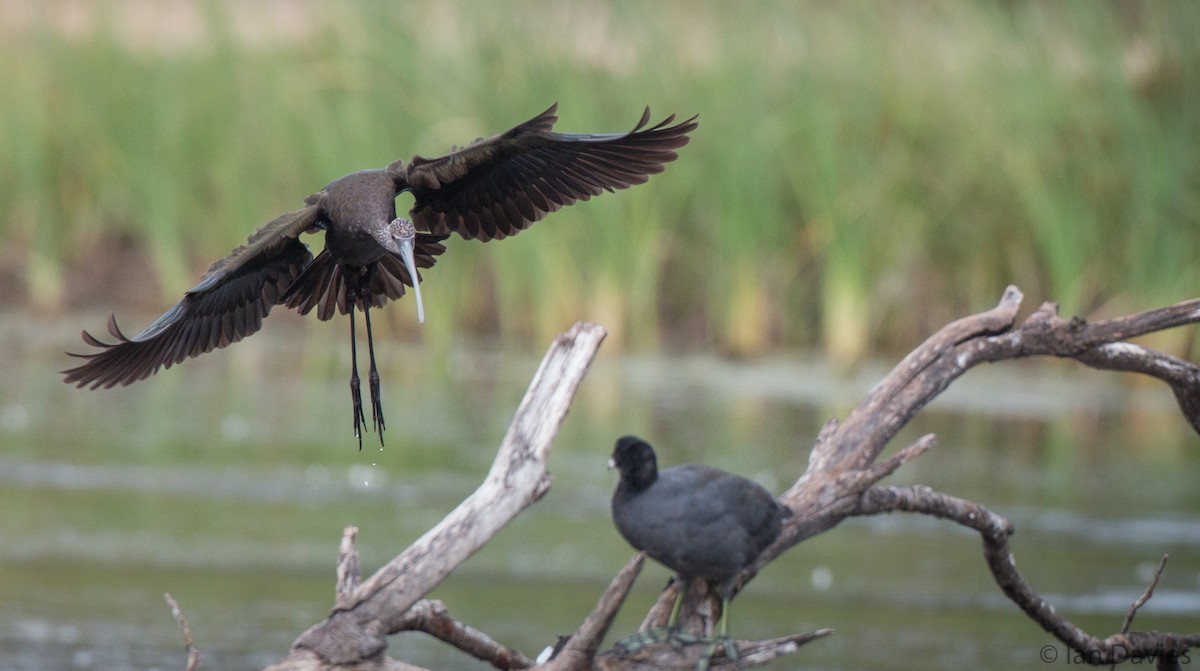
<point>862,173</point>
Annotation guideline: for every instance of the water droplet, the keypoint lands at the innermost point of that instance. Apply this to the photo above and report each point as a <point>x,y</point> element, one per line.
<point>822,578</point>
<point>14,418</point>
<point>235,428</point>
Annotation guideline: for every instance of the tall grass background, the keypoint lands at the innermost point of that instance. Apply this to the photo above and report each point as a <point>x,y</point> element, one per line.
<point>863,172</point>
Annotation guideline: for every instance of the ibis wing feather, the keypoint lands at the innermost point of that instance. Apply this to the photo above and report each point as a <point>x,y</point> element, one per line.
<point>497,187</point>
<point>266,242</point>
<point>228,304</point>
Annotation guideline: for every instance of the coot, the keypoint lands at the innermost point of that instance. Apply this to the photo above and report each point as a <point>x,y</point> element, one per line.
<point>700,522</point>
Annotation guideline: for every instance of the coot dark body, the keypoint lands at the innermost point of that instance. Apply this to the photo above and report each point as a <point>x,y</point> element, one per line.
<point>696,520</point>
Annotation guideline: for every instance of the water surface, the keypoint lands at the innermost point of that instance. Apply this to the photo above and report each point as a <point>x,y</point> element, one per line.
<point>227,482</point>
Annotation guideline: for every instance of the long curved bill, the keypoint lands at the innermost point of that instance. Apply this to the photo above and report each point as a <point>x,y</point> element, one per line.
<point>406,254</point>
<point>406,244</point>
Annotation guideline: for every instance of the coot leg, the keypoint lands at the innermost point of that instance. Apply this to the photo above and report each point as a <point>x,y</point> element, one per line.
<point>672,633</point>
<point>730,648</point>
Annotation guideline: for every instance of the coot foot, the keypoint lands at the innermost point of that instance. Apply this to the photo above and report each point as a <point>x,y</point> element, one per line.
<point>678,639</point>
<point>730,650</point>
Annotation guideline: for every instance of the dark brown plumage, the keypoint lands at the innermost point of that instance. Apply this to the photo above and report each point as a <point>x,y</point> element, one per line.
<point>488,190</point>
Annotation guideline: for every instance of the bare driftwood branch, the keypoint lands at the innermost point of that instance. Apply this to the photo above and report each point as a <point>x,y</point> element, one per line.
<point>580,650</point>
<point>355,633</point>
<point>995,531</point>
<point>827,492</point>
<point>842,471</point>
<point>432,618</point>
<point>348,574</point>
<point>1100,345</point>
<point>189,643</point>
<point>841,481</point>
<point>661,656</point>
<point>1141,601</point>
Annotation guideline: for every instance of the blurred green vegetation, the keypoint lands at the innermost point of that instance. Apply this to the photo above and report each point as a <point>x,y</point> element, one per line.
<point>863,172</point>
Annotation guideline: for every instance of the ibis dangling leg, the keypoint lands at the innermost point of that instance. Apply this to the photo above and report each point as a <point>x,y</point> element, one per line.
<point>360,422</point>
<point>373,380</point>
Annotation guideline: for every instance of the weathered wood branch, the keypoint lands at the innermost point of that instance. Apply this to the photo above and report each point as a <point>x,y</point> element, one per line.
<point>842,466</point>
<point>348,575</point>
<point>580,651</point>
<point>189,643</point>
<point>434,619</point>
<point>664,656</point>
<point>355,633</point>
<point>1145,597</point>
<point>840,481</point>
<point>995,532</point>
<point>987,337</point>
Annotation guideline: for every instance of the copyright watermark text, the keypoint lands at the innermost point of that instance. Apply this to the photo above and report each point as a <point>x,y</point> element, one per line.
<point>1053,654</point>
